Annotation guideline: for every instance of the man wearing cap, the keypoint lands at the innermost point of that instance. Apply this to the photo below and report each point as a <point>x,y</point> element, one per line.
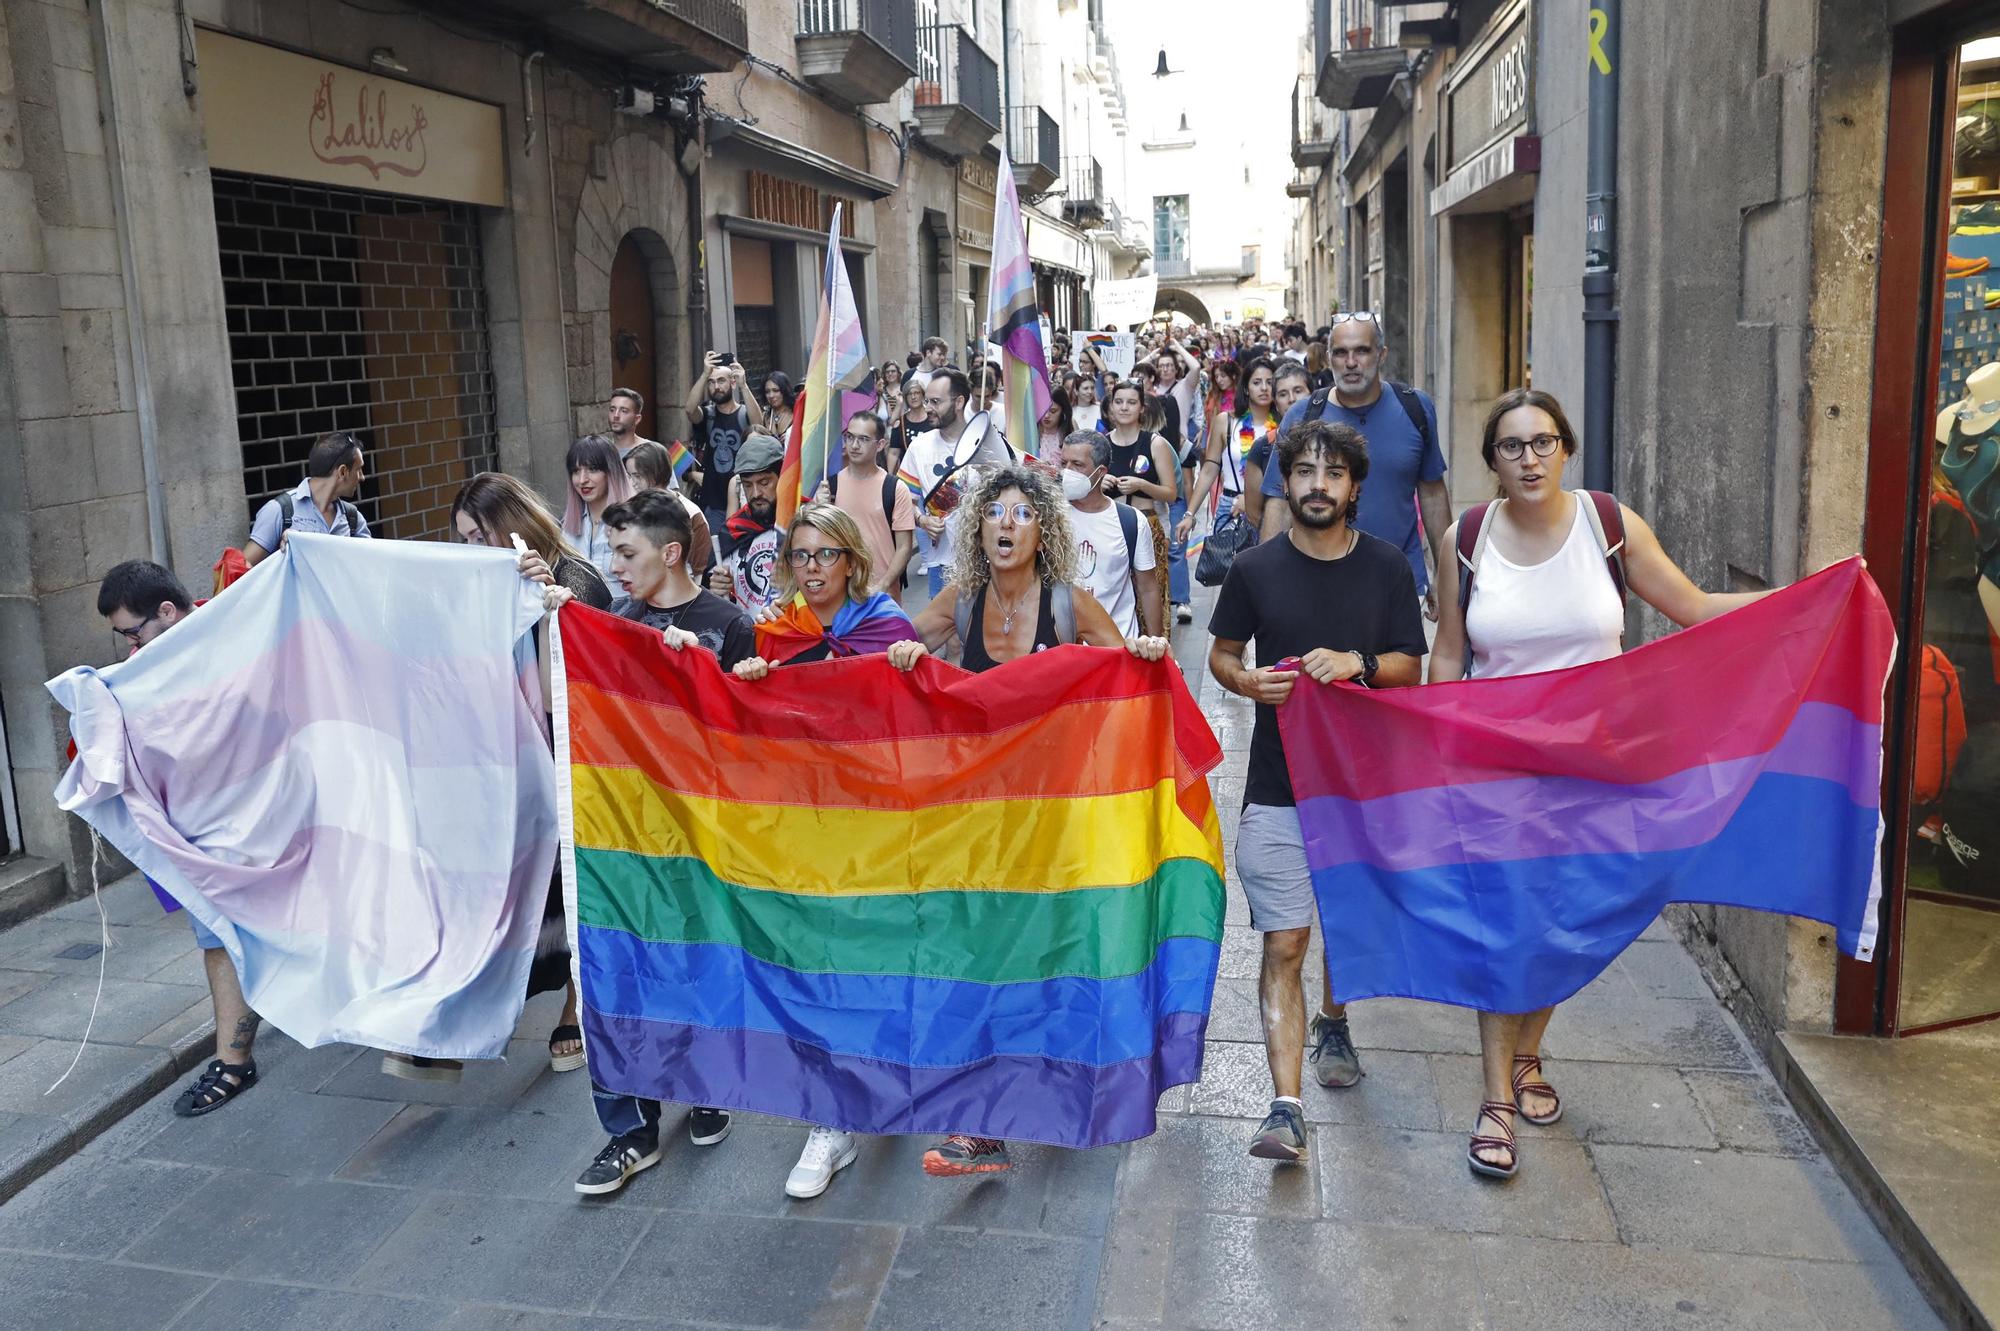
<point>746,572</point>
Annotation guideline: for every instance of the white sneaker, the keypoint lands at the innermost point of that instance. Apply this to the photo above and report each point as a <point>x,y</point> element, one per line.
<point>827,1151</point>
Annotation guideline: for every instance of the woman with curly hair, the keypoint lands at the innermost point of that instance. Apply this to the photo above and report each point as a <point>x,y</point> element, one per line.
<point>1010,596</point>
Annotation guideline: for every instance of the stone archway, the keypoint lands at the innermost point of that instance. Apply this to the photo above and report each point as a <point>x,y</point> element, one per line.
<point>643,198</point>
<point>1172,299</point>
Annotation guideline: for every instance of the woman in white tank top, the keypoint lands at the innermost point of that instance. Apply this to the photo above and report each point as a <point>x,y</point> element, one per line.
<point>1543,599</point>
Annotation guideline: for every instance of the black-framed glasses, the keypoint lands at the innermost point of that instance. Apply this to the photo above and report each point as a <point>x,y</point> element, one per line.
<point>131,635</point>
<point>1544,445</point>
<point>824,556</point>
<point>1023,513</point>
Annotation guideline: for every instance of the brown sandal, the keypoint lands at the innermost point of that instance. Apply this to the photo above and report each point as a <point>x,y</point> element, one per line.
<point>1490,1111</point>
<point>1528,1077</point>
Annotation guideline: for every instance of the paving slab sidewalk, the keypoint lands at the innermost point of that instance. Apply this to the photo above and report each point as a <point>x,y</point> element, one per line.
<point>1679,1189</point>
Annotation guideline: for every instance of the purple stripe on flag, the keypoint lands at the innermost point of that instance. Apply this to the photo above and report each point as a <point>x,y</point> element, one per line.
<point>1015,1098</point>
<point>1535,817</point>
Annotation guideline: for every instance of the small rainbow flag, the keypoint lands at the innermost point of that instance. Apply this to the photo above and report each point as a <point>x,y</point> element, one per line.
<point>909,482</point>
<point>680,457</point>
<point>858,628</point>
<point>988,904</point>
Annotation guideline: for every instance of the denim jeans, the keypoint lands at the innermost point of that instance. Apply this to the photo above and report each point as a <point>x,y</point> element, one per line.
<point>621,1115</point>
<point>936,576</point>
<point>1177,569</point>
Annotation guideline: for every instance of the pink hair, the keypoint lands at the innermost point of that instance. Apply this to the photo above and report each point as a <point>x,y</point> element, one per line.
<point>597,453</point>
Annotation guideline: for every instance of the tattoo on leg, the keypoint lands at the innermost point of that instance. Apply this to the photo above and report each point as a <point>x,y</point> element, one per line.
<point>246,1030</point>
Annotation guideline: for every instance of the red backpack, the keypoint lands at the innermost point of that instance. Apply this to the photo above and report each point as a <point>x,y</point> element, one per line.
<point>1940,725</point>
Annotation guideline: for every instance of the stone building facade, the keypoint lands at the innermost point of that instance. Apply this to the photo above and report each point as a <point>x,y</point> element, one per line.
<point>227,226</point>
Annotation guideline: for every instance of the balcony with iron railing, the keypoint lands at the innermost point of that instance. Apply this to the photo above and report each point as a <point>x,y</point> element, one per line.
<point>1083,197</point>
<point>1314,128</point>
<point>671,36</point>
<point>1034,144</point>
<point>958,91</point>
<point>857,52</point>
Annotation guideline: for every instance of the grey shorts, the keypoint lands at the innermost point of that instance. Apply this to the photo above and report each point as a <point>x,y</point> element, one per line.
<point>1271,865</point>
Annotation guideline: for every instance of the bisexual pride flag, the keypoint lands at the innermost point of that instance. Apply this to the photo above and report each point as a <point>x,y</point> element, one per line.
<point>1496,843</point>
<point>890,903</point>
<point>339,766</point>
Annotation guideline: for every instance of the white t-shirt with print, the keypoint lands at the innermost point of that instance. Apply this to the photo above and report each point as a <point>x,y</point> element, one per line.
<point>1102,566</point>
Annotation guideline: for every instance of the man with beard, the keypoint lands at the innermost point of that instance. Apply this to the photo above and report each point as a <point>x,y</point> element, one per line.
<point>746,572</point>
<point>1332,601</point>
<point>721,415</point>
<point>621,420</point>
<point>945,461</point>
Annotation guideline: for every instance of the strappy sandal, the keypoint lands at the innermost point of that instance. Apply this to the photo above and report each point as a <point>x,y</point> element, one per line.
<point>213,1088</point>
<point>1490,1111</point>
<point>1528,1078</point>
<point>565,1062</point>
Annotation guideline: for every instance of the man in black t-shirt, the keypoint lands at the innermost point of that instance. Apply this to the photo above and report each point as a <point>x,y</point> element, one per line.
<point>720,417</point>
<point>650,534</point>
<point>1329,600</point>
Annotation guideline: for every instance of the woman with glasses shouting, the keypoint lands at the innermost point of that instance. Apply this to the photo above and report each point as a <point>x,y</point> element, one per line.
<point>1010,596</point>
<point>1539,583</point>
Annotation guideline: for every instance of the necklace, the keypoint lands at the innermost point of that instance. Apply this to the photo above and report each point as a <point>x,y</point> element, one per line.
<point>1007,611</point>
<point>1353,539</point>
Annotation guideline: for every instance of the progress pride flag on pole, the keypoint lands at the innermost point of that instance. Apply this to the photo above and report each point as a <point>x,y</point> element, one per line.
<point>1496,843</point>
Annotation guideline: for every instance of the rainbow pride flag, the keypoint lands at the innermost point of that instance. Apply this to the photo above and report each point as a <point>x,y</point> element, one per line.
<point>1014,324</point>
<point>886,902</point>
<point>349,786</point>
<point>835,386</point>
<point>680,457</point>
<point>1496,843</point>
<point>858,628</point>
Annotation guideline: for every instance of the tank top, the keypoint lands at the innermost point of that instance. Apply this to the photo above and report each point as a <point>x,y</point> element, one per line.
<point>974,657</point>
<point>1560,612</point>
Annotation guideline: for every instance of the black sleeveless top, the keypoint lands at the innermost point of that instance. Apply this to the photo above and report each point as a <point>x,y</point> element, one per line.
<point>974,657</point>
<point>1135,459</point>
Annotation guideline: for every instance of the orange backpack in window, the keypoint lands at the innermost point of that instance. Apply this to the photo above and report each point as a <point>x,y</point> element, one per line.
<point>1940,725</point>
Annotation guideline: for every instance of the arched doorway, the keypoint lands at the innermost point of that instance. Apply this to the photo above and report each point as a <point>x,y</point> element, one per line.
<point>634,350</point>
<point>1171,300</point>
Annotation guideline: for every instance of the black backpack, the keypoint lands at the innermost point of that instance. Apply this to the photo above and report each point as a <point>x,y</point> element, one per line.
<point>286,507</point>
<point>888,496</point>
<point>1413,407</point>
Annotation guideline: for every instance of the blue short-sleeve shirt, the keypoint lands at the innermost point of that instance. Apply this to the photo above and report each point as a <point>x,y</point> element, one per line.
<point>268,529</point>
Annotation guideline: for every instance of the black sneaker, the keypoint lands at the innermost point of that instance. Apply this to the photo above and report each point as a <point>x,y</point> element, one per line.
<point>706,1127</point>
<point>1283,1135</point>
<point>1334,1060</point>
<point>621,1158</point>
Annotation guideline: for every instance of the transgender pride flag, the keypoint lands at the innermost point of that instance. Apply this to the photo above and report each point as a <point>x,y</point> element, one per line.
<point>1495,843</point>
<point>338,765</point>
<point>1014,324</point>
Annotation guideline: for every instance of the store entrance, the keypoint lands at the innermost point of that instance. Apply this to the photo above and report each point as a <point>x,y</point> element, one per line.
<point>1950,935</point>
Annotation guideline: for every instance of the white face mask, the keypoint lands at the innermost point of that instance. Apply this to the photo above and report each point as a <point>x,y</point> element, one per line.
<point>1075,485</point>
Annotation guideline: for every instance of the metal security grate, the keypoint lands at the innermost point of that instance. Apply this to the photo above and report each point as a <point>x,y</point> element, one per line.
<point>362,312</point>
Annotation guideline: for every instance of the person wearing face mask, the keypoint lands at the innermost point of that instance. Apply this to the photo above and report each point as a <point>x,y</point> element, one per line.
<point>1115,561</point>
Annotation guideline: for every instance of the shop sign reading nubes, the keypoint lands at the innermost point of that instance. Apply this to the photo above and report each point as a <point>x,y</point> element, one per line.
<point>271,112</point>
<point>1490,113</point>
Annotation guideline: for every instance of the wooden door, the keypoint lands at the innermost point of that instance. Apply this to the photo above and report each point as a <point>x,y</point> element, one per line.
<point>632,347</point>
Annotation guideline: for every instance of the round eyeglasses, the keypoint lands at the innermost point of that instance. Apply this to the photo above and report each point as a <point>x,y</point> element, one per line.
<point>1544,445</point>
<point>1023,513</point>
